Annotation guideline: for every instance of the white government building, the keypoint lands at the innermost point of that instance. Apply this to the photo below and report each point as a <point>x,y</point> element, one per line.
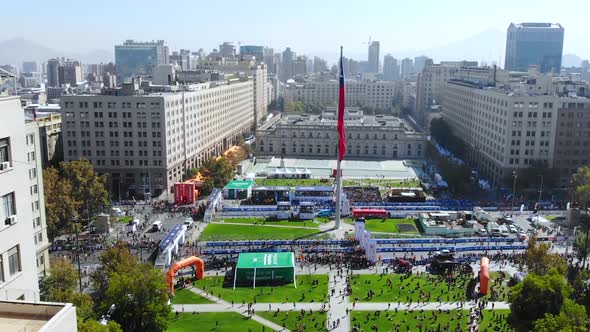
<point>381,137</point>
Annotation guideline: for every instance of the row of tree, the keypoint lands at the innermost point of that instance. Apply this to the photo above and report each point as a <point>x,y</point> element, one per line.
<point>74,193</point>
<point>129,305</point>
<point>216,172</point>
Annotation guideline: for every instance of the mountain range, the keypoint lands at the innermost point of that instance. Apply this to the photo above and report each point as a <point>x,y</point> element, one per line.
<point>17,50</point>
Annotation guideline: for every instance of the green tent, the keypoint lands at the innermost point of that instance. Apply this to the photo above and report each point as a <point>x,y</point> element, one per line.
<point>265,267</point>
<point>238,189</point>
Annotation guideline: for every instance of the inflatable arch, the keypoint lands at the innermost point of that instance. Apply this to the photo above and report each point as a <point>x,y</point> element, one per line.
<point>193,260</point>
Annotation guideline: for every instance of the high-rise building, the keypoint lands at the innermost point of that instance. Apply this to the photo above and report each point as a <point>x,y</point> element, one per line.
<point>287,64</point>
<point>30,67</point>
<point>257,52</point>
<point>69,72</point>
<point>139,58</point>
<point>390,68</point>
<point>299,66</point>
<point>373,58</point>
<point>147,142</point>
<point>227,50</point>
<point>520,122</point>
<point>539,44</point>
<point>407,68</point>
<point>319,65</point>
<point>18,273</point>
<point>53,73</point>
<point>420,62</point>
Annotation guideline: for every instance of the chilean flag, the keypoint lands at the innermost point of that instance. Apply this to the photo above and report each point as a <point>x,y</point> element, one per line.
<point>341,102</point>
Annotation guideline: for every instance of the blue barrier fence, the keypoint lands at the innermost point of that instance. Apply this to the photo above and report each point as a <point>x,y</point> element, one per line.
<point>457,249</point>
<point>447,241</point>
<point>276,243</point>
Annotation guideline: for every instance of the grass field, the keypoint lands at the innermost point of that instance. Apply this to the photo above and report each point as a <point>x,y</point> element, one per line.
<point>293,320</point>
<point>499,290</point>
<point>304,292</point>
<point>185,296</point>
<point>454,320</point>
<point>387,226</point>
<point>219,232</point>
<point>125,220</point>
<point>263,221</point>
<point>212,321</point>
<point>495,320</point>
<point>293,182</point>
<point>406,289</point>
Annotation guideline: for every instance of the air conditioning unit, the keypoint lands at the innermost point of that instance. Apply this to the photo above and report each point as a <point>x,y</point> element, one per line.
<point>4,166</point>
<point>11,220</point>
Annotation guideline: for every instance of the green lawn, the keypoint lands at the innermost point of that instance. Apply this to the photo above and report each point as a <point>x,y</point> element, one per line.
<point>454,320</point>
<point>495,320</point>
<point>404,288</point>
<point>213,321</point>
<point>185,296</point>
<point>304,292</point>
<point>263,221</point>
<point>293,182</point>
<point>387,226</point>
<point>219,232</point>
<point>293,320</point>
<point>499,290</point>
<point>126,219</point>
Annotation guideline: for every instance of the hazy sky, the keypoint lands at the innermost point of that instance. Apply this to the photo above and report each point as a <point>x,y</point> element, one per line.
<point>313,27</point>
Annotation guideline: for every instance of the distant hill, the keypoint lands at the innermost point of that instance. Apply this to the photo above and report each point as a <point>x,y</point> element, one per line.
<point>16,50</point>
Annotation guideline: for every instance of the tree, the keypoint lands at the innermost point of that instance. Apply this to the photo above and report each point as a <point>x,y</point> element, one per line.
<point>443,134</point>
<point>582,245</point>
<point>572,317</point>
<point>295,106</point>
<point>94,326</point>
<point>539,260</point>
<point>191,173</point>
<point>581,186</point>
<point>530,178</point>
<point>536,296</point>
<point>138,306</point>
<point>88,187</point>
<point>217,172</point>
<point>60,206</point>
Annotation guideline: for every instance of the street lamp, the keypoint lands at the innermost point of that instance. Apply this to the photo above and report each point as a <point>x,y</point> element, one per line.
<point>515,176</point>
<point>541,188</point>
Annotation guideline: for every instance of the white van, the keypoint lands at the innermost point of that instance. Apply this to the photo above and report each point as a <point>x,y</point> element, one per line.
<point>188,222</point>
<point>504,231</point>
<point>496,231</point>
<point>157,226</point>
<point>136,222</point>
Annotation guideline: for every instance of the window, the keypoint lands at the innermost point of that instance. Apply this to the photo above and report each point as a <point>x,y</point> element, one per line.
<point>4,150</point>
<point>30,139</point>
<point>14,260</point>
<point>1,269</point>
<point>8,205</point>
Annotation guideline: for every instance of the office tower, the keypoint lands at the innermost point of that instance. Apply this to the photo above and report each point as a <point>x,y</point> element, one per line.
<point>69,72</point>
<point>353,67</point>
<point>182,59</point>
<point>407,67</point>
<point>30,67</point>
<point>287,64</point>
<point>308,66</point>
<point>390,68</point>
<point>419,63</point>
<point>373,60</point>
<point>53,73</point>
<point>299,66</point>
<point>251,50</point>
<point>139,58</point>
<point>519,122</point>
<point>18,273</point>
<point>539,44</point>
<point>319,65</point>
<point>146,142</point>
<point>227,50</point>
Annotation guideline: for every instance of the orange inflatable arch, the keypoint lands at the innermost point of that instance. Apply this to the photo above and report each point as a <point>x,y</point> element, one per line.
<point>193,260</point>
<point>484,275</point>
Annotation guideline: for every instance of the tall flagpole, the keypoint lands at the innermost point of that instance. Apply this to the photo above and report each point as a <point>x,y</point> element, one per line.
<point>338,169</point>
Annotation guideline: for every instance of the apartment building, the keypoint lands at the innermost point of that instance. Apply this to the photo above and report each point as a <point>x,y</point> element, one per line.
<point>512,125</point>
<point>33,150</point>
<point>18,273</point>
<point>147,139</point>
<point>315,136</point>
<point>376,94</point>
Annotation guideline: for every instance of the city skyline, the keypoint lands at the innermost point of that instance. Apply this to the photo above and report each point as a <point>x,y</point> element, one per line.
<point>274,29</point>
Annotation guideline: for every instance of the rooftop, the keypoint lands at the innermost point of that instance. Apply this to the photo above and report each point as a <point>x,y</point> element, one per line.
<point>538,25</point>
<point>31,317</point>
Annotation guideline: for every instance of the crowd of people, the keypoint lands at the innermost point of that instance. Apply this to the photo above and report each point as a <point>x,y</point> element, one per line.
<point>363,194</point>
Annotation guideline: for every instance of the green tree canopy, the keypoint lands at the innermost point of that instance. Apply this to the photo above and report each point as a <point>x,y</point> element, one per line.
<point>581,186</point>
<point>217,173</point>
<point>572,317</point>
<point>60,207</point>
<point>139,306</point>
<point>536,296</point>
<point>442,133</point>
<point>88,187</point>
<point>539,260</point>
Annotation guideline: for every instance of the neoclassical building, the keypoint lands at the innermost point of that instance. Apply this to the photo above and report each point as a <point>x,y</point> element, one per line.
<point>314,136</point>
